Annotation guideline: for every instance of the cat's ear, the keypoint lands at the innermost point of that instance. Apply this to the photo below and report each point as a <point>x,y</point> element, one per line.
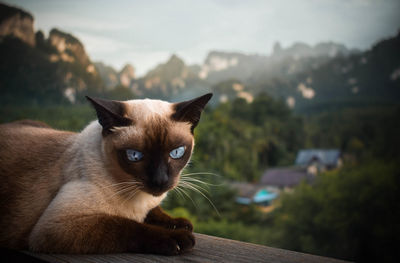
<point>190,111</point>
<point>110,113</point>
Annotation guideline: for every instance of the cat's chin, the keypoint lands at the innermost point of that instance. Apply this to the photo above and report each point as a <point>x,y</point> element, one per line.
<point>156,193</point>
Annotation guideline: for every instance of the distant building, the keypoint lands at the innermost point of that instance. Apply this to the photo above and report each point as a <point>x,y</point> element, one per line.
<point>308,164</point>
<point>318,160</point>
<point>254,193</point>
<point>286,177</point>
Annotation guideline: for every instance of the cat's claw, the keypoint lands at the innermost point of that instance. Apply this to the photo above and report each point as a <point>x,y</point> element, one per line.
<point>182,223</point>
<point>168,242</point>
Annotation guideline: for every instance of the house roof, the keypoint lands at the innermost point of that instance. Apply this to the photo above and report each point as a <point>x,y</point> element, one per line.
<point>326,157</point>
<point>248,193</point>
<point>246,189</point>
<point>285,177</point>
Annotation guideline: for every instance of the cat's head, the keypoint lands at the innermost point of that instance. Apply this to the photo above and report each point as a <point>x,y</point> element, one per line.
<point>148,142</point>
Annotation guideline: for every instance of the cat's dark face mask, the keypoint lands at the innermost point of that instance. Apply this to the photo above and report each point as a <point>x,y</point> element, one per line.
<point>148,152</point>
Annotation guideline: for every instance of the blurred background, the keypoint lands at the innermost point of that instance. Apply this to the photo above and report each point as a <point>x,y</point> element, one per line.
<point>299,147</point>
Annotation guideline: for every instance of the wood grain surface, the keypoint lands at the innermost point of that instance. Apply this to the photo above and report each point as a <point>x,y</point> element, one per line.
<point>207,249</point>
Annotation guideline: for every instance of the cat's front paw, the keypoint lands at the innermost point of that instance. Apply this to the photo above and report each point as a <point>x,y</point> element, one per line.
<point>184,240</point>
<point>167,242</point>
<point>181,223</point>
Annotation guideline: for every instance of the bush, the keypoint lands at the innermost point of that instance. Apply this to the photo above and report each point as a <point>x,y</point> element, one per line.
<point>350,214</point>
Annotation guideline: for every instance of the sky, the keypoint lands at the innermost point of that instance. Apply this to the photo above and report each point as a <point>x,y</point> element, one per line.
<point>146,33</point>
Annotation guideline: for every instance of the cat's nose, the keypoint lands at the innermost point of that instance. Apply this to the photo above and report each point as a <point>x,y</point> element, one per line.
<point>160,176</point>
<point>160,179</point>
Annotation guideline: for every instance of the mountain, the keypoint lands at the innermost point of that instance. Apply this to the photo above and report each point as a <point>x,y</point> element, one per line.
<point>17,23</point>
<point>370,77</point>
<point>220,66</point>
<point>299,50</point>
<point>57,69</point>
<point>176,80</point>
<point>172,79</point>
<point>69,48</point>
<point>127,76</point>
<point>108,74</point>
<point>36,70</point>
<point>307,78</point>
<point>314,84</point>
<point>111,78</point>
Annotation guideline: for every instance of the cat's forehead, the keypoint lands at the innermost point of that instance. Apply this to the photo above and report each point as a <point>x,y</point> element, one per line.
<point>152,133</point>
<point>152,120</point>
<point>142,110</point>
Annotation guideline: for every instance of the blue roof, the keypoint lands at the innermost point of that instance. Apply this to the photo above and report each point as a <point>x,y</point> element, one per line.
<point>326,157</point>
<point>264,195</point>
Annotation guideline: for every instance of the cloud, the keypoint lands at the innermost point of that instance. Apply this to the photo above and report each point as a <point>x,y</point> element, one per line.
<point>142,61</point>
<point>77,22</point>
<point>97,44</point>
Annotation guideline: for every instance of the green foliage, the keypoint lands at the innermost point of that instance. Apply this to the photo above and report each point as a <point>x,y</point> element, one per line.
<point>241,139</point>
<point>119,93</point>
<point>233,229</point>
<point>182,212</point>
<point>215,202</point>
<point>347,213</point>
<point>237,230</point>
<point>366,132</point>
<point>73,118</point>
<point>27,76</point>
<point>350,213</point>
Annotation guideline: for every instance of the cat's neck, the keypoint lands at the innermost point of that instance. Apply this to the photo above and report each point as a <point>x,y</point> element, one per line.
<point>85,155</point>
<point>90,139</point>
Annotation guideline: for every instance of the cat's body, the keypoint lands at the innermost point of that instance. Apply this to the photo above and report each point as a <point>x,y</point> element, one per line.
<point>64,192</point>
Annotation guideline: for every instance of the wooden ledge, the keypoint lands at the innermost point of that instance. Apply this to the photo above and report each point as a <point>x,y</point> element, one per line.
<point>207,249</point>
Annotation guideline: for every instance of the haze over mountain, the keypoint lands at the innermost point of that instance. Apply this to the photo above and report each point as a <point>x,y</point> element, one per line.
<point>144,33</point>
<point>58,69</point>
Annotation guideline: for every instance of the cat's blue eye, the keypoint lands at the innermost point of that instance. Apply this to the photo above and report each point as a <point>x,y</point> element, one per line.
<point>177,153</point>
<point>134,155</point>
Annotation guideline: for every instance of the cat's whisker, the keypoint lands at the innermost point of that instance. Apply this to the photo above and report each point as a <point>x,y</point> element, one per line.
<point>124,190</point>
<point>201,173</point>
<point>120,192</point>
<point>128,185</point>
<point>132,195</point>
<point>120,184</point>
<point>177,190</point>
<point>190,186</point>
<point>191,179</point>
<point>186,194</point>
<point>195,186</point>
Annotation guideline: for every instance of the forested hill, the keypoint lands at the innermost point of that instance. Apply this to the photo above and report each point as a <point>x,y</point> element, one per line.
<point>39,70</point>
<point>309,79</point>
<point>315,84</point>
<point>368,78</point>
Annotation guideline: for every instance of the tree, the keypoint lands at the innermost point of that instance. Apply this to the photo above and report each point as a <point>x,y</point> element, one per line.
<point>351,213</point>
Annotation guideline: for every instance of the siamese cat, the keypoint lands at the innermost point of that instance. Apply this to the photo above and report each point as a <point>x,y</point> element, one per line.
<point>98,191</point>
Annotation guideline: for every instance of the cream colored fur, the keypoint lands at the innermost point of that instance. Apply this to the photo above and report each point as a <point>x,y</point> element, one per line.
<point>88,186</point>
